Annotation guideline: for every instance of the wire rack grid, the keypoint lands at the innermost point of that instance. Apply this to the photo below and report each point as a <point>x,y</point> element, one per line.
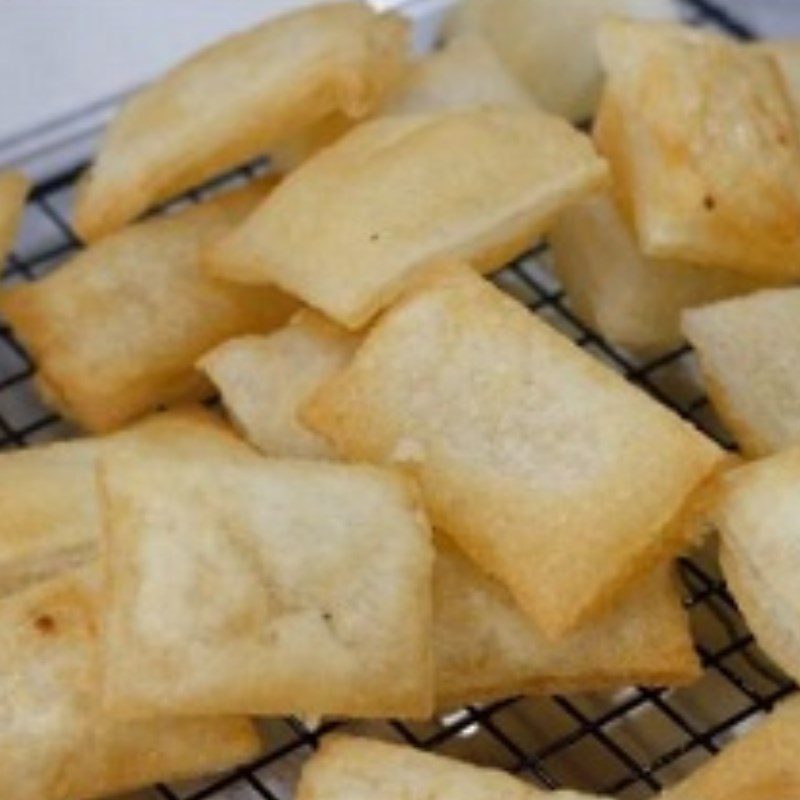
<point>628,744</point>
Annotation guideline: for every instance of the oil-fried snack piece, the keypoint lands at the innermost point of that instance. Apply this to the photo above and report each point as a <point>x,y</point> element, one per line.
<point>705,145</point>
<point>351,229</point>
<point>351,768</point>
<point>761,764</point>
<point>116,331</point>
<point>292,587</point>
<point>233,100</point>
<point>758,515</point>
<point>13,191</point>
<point>787,53</point>
<point>463,74</point>
<point>747,350</point>
<point>264,380</point>
<point>56,742</point>
<point>48,512</point>
<point>546,467</point>
<point>50,519</point>
<point>485,648</point>
<point>632,300</point>
<point>533,36</point>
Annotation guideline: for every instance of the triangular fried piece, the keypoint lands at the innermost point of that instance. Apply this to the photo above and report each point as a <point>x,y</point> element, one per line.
<point>748,349</point>
<point>264,380</point>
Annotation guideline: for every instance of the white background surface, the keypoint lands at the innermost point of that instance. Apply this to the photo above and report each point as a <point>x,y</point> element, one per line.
<point>58,57</point>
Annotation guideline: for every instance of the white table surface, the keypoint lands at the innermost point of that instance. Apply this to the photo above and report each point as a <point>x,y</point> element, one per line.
<point>60,57</point>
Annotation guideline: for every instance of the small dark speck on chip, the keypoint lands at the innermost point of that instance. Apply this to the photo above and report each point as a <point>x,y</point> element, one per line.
<point>373,237</point>
<point>709,202</point>
<point>45,623</point>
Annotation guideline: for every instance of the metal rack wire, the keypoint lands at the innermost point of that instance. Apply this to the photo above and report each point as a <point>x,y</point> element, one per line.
<point>629,744</point>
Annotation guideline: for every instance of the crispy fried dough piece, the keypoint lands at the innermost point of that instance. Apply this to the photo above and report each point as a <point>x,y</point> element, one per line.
<point>547,468</point>
<point>116,331</point>
<point>56,742</point>
<point>762,763</point>
<point>464,74</point>
<point>50,519</point>
<point>264,380</point>
<point>705,146</point>
<point>290,586</point>
<point>747,348</point>
<point>13,191</point>
<point>350,768</point>
<point>233,100</point>
<point>758,514</point>
<point>486,648</point>
<point>374,212</point>
<point>632,300</point>
<point>534,36</point>
<point>787,54</point>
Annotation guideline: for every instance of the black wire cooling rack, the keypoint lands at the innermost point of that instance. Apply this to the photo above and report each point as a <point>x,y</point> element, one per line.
<point>628,744</point>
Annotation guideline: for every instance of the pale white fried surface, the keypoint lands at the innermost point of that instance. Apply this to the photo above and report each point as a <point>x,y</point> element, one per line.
<point>549,470</point>
<point>747,349</point>
<point>356,225</point>
<point>292,587</point>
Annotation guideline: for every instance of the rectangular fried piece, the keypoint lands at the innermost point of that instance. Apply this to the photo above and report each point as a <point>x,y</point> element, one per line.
<point>705,146</point>
<point>291,587</point>
<point>747,348</point>
<point>55,741</point>
<point>534,36</point>
<point>230,102</point>
<point>116,331</point>
<point>758,516</point>
<point>356,225</point>
<point>761,764</point>
<point>486,648</point>
<point>49,514</point>
<point>265,379</point>
<point>632,300</point>
<point>13,191</point>
<point>547,468</point>
<point>351,768</point>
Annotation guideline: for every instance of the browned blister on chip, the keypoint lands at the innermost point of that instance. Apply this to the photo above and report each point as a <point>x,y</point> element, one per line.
<point>235,99</point>
<point>549,470</point>
<point>117,330</point>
